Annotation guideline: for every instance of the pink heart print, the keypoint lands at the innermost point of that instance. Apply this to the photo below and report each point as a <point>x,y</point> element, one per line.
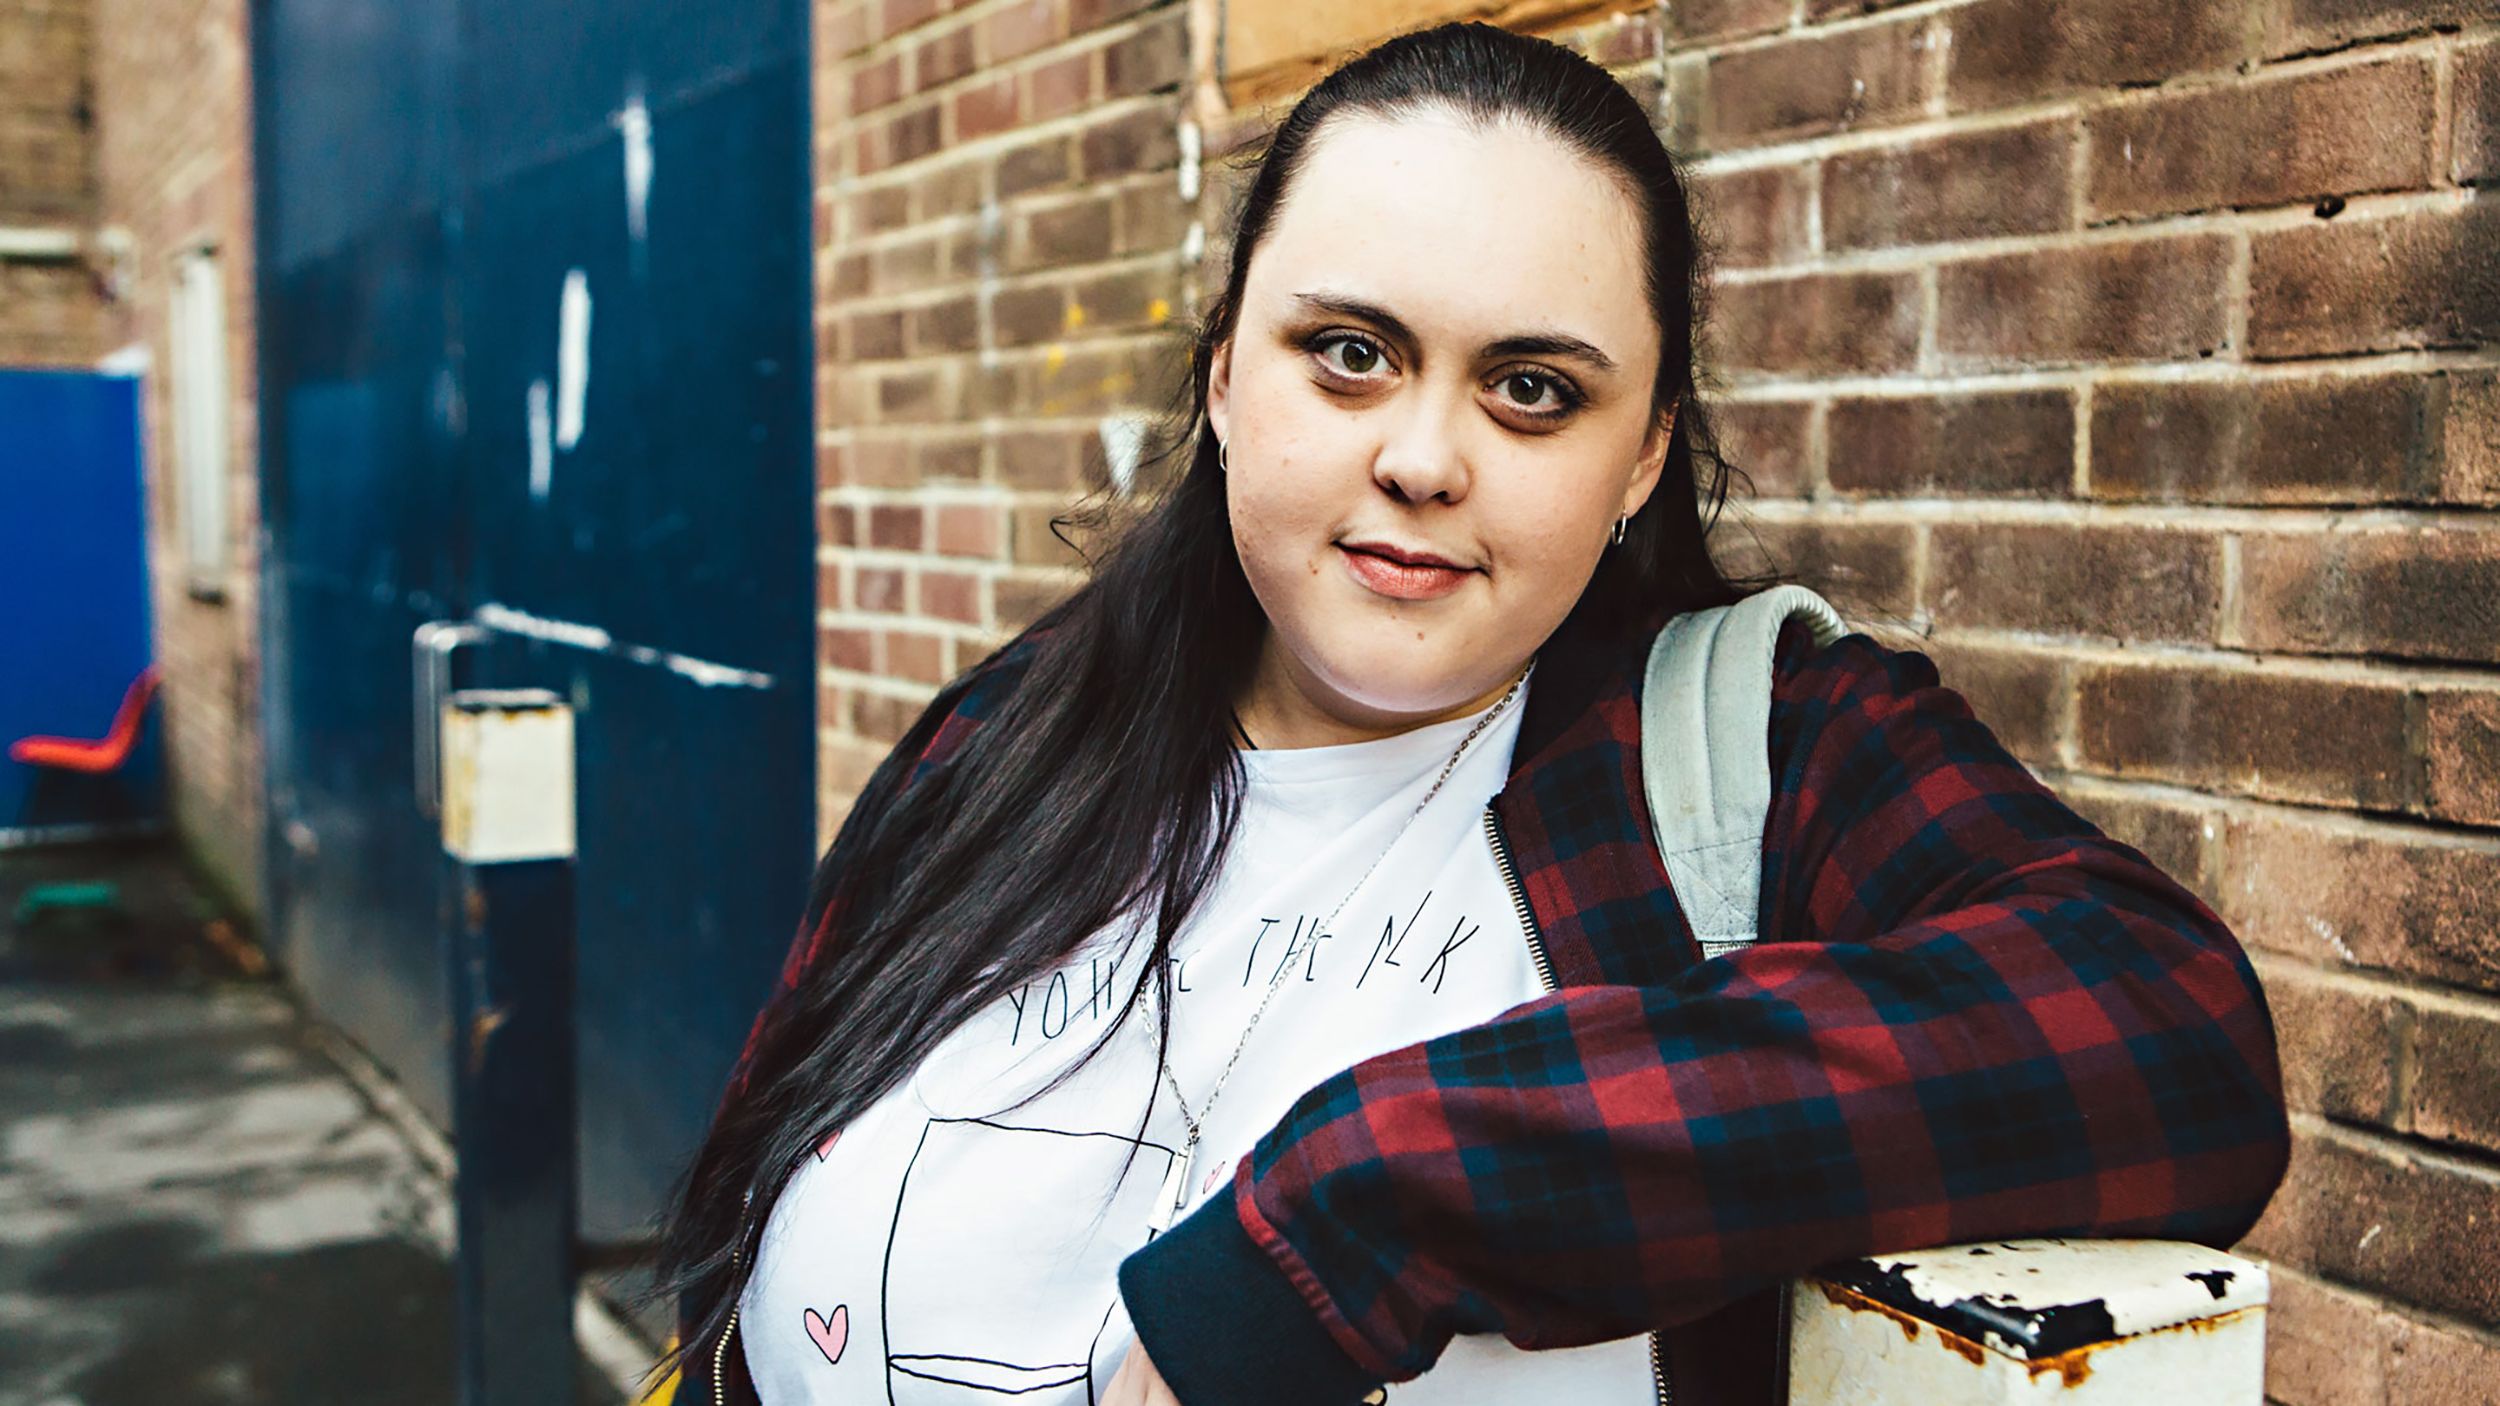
<point>831,1337</point>
<point>1213,1175</point>
<point>827,1145</point>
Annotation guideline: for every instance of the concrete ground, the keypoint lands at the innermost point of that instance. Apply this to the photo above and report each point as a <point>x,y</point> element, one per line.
<point>205,1197</point>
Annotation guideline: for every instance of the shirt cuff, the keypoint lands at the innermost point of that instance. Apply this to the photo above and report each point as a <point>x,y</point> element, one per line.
<point>1223,1324</point>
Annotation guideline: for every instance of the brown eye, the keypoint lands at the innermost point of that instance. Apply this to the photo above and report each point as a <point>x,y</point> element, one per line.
<point>1361,357</point>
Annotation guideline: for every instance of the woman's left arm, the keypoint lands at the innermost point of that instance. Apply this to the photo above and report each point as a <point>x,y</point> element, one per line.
<point>1971,1015</point>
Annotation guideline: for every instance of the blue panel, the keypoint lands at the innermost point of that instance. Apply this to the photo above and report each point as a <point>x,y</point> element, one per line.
<point>73,570</point>
<point>432,172</point>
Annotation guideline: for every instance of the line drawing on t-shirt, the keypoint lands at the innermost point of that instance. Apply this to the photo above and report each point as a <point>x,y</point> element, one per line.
<point>958,1313</point>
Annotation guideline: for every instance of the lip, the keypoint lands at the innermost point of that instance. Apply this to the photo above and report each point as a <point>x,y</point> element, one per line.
<point>1400,578</point>
<point>1404,556</point>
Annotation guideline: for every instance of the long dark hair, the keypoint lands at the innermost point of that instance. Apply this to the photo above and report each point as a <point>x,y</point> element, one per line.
<point>1083,798</point>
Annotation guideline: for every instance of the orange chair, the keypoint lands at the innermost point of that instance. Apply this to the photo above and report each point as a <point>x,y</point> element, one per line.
<point>100,755</point>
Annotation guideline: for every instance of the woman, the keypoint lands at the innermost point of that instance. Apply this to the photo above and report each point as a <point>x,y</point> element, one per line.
<point>1440,1096</point>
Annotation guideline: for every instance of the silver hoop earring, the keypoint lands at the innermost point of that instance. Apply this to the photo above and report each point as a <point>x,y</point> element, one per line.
<point>1222,463</point>
<point>1620,525</point>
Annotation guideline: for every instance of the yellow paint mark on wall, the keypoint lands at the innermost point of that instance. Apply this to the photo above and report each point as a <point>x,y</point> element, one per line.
<point>1159,310</point>
<point>1076,316</point>
<point>1056,357</point>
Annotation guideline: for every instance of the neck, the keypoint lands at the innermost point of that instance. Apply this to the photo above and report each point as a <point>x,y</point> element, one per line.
<point>1285,707</point>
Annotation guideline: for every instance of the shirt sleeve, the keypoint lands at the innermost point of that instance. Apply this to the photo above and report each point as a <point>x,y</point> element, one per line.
<point>1969,1015</point>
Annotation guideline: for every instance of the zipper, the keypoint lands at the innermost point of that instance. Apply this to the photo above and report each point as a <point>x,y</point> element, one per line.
<point>1545,971</point>
<point>720,1350</point>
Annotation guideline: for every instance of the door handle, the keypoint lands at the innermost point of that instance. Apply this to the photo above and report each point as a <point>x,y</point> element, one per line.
<point>433,645</point>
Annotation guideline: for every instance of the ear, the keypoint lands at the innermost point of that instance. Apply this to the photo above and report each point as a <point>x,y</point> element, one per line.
<point>1220,391</point>
<point>1651,462</point>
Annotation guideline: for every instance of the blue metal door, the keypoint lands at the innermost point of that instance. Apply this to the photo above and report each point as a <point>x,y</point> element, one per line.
<point>536,335</point>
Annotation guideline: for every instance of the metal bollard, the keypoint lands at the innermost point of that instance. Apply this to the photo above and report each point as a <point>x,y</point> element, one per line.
<point>2071,1322</point>
<point>507,828</point>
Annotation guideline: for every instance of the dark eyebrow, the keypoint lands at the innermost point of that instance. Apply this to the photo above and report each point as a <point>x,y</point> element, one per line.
<point>1518,344</point>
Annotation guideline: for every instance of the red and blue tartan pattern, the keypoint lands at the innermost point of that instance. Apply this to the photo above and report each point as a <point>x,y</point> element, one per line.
<point>1969,1015</point>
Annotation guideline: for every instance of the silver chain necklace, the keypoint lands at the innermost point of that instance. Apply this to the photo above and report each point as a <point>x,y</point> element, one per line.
<point>1176,1183</point>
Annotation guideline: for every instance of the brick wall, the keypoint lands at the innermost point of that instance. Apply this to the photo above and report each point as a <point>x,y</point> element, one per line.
<point>1001,268</point>
<point>52,305</point>
<point>2138,360</point>
<point>172,83</point>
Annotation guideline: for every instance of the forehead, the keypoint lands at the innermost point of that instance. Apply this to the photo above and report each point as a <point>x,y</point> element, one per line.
<point>1464,230</point>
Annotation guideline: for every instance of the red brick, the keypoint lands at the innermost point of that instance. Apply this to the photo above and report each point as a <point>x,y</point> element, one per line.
<point>2426,279</point>
<point>2476,93</point>
<point>1965,185</point>
<point>1094,14</point>
<point>1026,315</point>
<point>873,336</point>
<point>881,590</point>
<point>2134,583</point>
<point>914,133</point>
<point>2310,439</point>
<point>2307,26</point>
<point>942,59</point>
<point>882,717</point>
<point>875,84</point>
<point>1060,86</point>
<point>2159,299</point>
<point>2256,732</point>
<point>1037,165</point>
<point>2005,52</point>
<point>1820,324</point>
<point>1067,232</point>
<point>949,325</point>
<point>1767,440</point>
<point>2336,131</point>
<point>880,208</point>
<point>2467,468</point>
<point>2019,694</point>
<point>953,458</point>
<point>2002,444</point>
<point>1756,216</point>
<point>2414,1226</point>
<point>2420,902</point>
<point>1021,28</point>
<point>881,462</point>
<point>2171,835</point>
<point>2442,1365</point>
<point>1857,77</point>
<point>836,524</point>
<point>2461,755</point>
<point>967,530</point>
<point>985,108</point>
<point>895,525</point>
<point>1865,568</point>
<point>951,595</point>
<point>2325,1346</point>
<point>2409,593</point>
<point>896,16</point>
<point>1037,458</point>
<point>1145,139</point>
<point>2338,1038</point>
<point>850,649</point>
<point>1155,56</point>
<point>2456,1050</point>
<point>911,655</point>
<point>1722,19</point>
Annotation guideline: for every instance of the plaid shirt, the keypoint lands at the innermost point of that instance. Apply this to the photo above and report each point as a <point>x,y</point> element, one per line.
<point>1970,1015</point>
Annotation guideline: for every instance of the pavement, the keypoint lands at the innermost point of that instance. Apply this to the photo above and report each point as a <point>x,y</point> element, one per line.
<point>207,1196</point>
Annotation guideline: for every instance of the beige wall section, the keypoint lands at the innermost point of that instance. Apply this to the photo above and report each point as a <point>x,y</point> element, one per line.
<point>172,82</point>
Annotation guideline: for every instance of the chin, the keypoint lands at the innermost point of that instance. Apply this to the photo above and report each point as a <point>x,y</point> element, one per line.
<point>1387,670</point>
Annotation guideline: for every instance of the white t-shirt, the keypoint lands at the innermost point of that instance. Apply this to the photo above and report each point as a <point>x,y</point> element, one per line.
<point>941,1249</point>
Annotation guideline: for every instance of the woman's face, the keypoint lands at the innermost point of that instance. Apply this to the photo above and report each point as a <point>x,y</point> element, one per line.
<point>1444,350</point>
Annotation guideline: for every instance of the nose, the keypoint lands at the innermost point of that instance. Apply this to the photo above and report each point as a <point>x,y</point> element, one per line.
<point>1421,460</point>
